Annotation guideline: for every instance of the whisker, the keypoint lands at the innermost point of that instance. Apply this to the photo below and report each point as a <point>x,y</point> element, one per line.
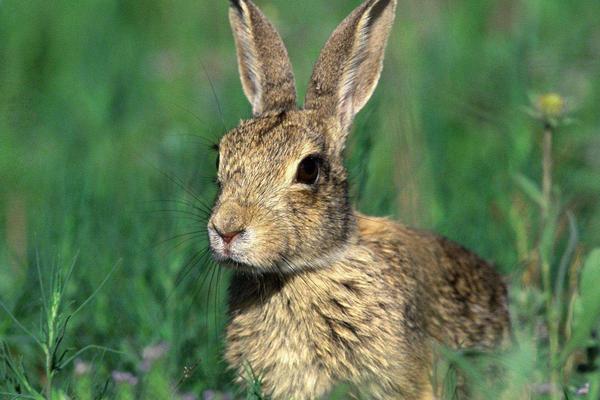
<point>217,292</point>
<point>206,142</point>
<point>214,92</point>
<point>187,268</point>
<point>192,234</point>
<point>202,271</point>
<point>197,217</point>
<point>184,241</point>
<point>212,274</point>
<point>202,207</point>
<point>204,274</point>
<point>182,186</point>
<point>199,205</point>
<point>209,141</point>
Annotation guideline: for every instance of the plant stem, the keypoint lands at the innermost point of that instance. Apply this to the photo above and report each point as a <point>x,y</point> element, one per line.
<point>547,173</point>
<point>50,339</point>
<point>48,373</point>
<point>552,304</point>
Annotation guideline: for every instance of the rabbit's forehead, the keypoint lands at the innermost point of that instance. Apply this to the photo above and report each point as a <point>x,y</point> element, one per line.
<point>268,143</point>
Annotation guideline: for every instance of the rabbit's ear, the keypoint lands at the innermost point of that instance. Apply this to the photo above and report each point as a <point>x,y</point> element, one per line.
<point>264,65</point>
<point>350,64</point>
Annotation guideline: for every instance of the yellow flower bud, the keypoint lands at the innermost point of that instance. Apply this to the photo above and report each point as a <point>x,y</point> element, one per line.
<point>551,105</point>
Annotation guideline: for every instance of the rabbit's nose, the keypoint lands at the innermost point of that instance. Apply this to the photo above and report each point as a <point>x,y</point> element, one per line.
<point>229,236</point>
<point>228,221</point>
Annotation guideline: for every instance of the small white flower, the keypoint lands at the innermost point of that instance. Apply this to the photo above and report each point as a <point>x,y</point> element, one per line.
<point>124,377</point>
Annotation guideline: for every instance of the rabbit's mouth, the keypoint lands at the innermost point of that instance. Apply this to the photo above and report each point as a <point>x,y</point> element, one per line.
<point>227,247</point>
<point>237,250</point>
<point>241,266</point>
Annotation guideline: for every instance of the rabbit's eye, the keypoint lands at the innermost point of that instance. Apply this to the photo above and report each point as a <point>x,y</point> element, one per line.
<point>308,170</point>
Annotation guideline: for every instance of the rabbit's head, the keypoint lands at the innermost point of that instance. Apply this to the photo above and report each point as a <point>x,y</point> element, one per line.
<point>283,201</point>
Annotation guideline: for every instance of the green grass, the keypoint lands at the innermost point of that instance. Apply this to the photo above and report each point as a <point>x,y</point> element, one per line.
<point>106,119</point>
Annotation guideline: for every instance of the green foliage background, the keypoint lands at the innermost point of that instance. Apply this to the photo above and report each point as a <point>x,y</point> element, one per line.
<point>108,109</point>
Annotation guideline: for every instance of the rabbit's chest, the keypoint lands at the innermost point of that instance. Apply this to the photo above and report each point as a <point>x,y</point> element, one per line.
<point>305,338</point>
<point>282,346</point>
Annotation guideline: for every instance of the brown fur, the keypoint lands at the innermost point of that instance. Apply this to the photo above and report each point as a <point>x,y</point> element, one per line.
<point>265,69</point>
<point>321,293</point>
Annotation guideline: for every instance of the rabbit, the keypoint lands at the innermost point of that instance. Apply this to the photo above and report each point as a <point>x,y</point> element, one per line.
<point>320,293</point>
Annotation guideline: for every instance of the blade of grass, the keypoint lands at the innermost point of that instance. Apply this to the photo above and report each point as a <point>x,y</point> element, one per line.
<point>98,289</point>
<point>91,347</point>
<point>16,321</point>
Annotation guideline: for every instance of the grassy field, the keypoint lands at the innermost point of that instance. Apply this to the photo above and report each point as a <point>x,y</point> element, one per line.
<point>108,110</point>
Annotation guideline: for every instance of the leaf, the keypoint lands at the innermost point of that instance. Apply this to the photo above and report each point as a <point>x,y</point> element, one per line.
<point>530,189</point>
<point>588,304</point>
<point>595,386</point>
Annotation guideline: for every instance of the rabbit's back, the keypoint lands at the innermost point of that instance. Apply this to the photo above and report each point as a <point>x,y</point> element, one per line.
<point>464,297</point>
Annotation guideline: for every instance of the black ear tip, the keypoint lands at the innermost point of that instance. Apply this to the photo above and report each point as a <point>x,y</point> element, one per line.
<point>378,9</point>
<point>237,4</point>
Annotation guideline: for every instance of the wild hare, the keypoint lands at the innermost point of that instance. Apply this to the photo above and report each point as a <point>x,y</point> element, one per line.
<point>322,294</point>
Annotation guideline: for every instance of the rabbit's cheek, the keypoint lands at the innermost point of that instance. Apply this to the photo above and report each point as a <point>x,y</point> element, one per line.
<point>251,248</point>
<point>216,244</point>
